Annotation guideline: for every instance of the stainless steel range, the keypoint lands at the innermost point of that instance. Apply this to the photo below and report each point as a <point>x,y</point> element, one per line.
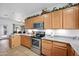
<point>36,42</point>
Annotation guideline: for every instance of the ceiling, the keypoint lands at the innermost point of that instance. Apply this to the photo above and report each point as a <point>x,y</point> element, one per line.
<point>19,11</point>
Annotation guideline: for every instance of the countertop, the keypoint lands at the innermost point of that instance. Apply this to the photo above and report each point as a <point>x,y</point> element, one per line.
<point>23,34</point>
<point>4,37</point>
<point>73,42</point>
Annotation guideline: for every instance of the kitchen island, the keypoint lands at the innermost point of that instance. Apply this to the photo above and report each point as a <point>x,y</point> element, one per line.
<point>20,39</point>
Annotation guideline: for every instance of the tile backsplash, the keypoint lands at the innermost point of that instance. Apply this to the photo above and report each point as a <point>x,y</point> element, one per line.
<point>62,32</point>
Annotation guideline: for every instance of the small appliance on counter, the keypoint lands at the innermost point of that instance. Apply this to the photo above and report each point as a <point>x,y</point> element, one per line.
<point>36,41</point>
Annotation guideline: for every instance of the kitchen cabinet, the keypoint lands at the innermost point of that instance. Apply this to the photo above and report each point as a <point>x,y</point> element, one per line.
<point>46,47</point>
<point>59,49</point>
<point>28,23</point>
<point>37,19</point>
<point>62,19</point>
<point>15,41</point>
<point>76,16</point>
<point>76,54</point>
<point>71,18</point>
<point>56,20</point>
<point>56,48</point>
<point>47,21</point>
<point>26,41</point>
<point>71,51</point>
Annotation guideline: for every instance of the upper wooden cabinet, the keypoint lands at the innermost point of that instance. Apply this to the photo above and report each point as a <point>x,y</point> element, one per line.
<point>71,18</point>
<point>62,19</point>
<point>56,19</point>
<point>28,24</point>
<point>37,19</point>
<point>47,21</point>
<point>76,16</point>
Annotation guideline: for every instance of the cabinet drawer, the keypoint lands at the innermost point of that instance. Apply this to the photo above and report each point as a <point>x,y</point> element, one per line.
<point>47,46</point>
<point>46,41</point>
<point>60,44</point>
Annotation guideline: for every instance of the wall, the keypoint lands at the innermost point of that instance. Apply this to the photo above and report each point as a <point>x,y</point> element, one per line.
<point>9,23</point>
<point>49,9</point>
<point>67,32</point>
<point>57,5</point>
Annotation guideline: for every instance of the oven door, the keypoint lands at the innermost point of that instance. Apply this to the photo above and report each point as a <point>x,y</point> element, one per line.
<point>36,43</point>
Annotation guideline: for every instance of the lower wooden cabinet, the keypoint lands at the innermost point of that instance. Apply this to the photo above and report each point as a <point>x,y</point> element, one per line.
<point>46,47</point>
<point>71,51</point>
<point>59,49</point>
<point>76,54</point>
<point>26,41</point>
<point>15,41</point>
<point>46,52</point>
<point>56,48</point>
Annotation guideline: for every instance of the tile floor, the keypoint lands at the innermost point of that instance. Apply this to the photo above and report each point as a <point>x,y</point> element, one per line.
<point>19,51</point>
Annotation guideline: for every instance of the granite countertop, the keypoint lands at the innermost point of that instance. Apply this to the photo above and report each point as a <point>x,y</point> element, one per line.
<point>73,42</point>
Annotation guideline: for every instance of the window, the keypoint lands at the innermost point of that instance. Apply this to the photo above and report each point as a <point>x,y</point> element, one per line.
<point>5,29</point>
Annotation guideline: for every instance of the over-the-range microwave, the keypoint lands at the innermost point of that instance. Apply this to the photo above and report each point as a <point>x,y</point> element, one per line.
<point>38,25</point>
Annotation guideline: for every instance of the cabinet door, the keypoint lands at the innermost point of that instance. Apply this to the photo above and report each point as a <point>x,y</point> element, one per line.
<point>46,52</point>
<point>76,17</point>
<point>46,47</point>
<point>15,41</point>
<point>28,24</point>
<point>47,21</point>
<point>57,19</point>
<point>23,40</point>
<point>59,51</point>
<point>37,19</point>
<point>69,21</point>
<point>71,51</point>
<point>26,41</point>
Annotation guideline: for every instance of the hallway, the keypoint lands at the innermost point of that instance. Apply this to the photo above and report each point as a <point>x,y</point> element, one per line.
<point>4,45</point>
